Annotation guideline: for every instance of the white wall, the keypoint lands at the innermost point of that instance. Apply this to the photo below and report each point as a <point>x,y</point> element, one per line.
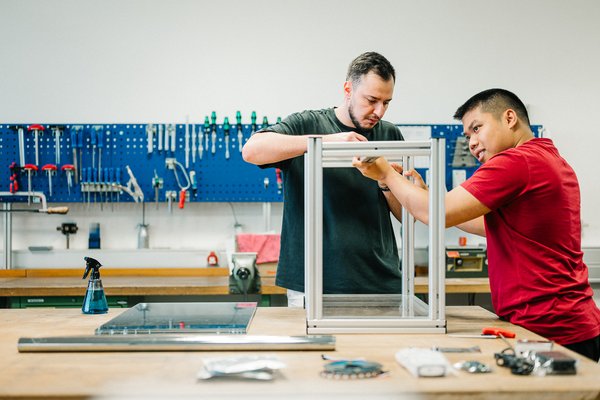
<point>151,60</point>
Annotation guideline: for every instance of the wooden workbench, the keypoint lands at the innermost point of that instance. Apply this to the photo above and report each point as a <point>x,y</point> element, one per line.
<point>164,281</point>
<point>168,375</point>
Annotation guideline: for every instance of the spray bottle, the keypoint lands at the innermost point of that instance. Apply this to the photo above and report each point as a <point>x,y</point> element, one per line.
<point>94,301</point>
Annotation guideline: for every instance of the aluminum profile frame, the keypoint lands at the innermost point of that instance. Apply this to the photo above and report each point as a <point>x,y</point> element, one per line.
<point>339,155</point>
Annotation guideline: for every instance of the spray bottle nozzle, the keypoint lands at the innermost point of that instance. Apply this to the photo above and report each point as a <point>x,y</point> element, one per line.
<point>93,265</point>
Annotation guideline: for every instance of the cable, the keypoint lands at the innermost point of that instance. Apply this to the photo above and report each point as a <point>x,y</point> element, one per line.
<point>189,183</point>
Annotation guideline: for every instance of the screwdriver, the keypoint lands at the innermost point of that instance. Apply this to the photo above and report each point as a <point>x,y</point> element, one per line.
<point>213,135</point>
<point>75,144</point>
<point>194,143</point>
<point>94,139</point>
<point>100,133</point>
<point>160,137</point>
<point>240,136</point>
<point>238,120</point>
<point>226,131</point>
<point>50,170</point>
<point>57,131</point>
<point>253,121</point>
<point>37,129</point>
<point>68,168</point>
<point>187,141</point>
<point>204,136</point>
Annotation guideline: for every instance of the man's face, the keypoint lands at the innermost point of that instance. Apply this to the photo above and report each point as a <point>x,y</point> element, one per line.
<point>487,134</point>
<point>368,101</point>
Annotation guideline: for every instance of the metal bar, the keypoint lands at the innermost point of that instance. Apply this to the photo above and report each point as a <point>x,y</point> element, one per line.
<point>174,343</point>
<point>408,252</point>
<point>437,226</point>
<point>440,149</point>
<point>379,323</point>
<point>313,228</point>
<point>339,155</point>
<point>376,148</point>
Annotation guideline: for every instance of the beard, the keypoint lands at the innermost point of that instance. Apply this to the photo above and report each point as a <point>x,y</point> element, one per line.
<point>359,128</point>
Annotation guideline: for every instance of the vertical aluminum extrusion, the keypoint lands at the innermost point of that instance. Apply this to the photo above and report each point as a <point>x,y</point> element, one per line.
<point>408,252</point>
<point>313,228</point>
<point>437,220</point>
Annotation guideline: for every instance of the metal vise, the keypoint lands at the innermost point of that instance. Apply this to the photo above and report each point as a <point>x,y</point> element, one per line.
<point>244,276</point>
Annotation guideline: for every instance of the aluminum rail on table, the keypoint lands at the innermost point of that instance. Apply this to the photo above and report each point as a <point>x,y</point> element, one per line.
<point>162,342</point>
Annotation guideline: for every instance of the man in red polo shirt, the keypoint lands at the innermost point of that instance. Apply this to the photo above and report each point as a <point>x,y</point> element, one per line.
<point>525,200</point>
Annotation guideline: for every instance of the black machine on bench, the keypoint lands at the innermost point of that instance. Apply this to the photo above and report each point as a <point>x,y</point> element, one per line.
<point>466,262</point>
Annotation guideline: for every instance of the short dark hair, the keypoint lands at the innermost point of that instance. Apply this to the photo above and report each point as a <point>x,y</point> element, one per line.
<point>367,62</point>
<point>494,101</point>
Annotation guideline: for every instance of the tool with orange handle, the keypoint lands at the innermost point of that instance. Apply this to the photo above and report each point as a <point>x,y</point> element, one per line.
<point>488,333</point>
<point>498,332</point>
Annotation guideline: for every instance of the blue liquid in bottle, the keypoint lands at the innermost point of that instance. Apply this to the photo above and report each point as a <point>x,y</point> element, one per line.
<point>95,300</point>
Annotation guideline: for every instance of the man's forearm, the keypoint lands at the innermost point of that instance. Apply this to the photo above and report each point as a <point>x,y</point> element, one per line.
<point>270,147</point>
<point>475,226</point>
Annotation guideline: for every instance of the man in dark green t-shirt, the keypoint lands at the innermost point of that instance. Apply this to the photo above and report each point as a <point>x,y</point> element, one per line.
<point>360,254</point>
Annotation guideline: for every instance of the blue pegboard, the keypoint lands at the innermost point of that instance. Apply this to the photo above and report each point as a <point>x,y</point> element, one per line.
<point>219,179</point>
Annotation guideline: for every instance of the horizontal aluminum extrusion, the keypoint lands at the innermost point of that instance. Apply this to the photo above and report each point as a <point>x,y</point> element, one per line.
<point>175,343</point>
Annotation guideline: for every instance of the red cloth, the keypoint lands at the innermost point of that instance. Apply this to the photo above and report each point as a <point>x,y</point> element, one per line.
<point>537,276</point>
<point>265,245</point>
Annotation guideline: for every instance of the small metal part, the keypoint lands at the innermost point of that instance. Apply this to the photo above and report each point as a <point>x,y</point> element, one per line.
<point>473,367</point>
<point>472,349</point>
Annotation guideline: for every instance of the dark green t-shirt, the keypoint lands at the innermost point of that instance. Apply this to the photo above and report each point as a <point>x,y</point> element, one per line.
<point>359,249</point>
